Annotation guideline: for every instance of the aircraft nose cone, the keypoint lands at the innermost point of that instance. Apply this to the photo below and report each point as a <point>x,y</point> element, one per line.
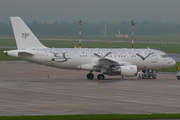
<point>173,62</point>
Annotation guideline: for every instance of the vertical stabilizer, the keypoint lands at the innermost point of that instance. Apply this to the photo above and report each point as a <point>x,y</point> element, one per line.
<point>23,35</point>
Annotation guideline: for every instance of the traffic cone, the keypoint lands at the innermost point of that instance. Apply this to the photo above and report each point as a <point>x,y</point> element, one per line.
<point>101,79</point>
<point>48,76</point>
<point>138,78</point>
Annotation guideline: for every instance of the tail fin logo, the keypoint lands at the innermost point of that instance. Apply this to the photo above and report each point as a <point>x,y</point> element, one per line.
<point>25,35</point>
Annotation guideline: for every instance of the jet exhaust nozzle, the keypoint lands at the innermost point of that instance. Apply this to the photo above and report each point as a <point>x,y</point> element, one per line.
<point>5,52</point>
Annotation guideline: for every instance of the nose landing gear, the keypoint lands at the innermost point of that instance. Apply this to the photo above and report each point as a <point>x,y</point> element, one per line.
<point>150,74</point>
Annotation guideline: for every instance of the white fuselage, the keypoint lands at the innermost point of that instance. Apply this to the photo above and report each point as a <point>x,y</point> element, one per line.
<point>73,58</point>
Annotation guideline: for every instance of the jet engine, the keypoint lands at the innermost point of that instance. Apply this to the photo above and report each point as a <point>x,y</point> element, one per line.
<point>129,71</point>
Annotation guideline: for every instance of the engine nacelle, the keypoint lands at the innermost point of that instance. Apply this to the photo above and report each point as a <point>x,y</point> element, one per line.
<point>129,71</point>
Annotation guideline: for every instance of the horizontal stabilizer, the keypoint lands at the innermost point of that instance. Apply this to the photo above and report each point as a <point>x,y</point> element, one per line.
<point>25,54</point>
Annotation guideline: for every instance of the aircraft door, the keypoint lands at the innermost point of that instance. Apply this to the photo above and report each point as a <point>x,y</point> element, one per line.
<point>153,58</point>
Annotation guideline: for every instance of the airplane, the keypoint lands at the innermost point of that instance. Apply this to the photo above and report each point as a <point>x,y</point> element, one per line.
<point>124,62</point>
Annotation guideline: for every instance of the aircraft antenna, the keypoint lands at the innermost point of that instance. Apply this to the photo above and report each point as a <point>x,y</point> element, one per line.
<point>132,23</point>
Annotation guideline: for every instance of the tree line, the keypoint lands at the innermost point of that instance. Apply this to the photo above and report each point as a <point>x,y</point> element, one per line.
<point>95,29</point>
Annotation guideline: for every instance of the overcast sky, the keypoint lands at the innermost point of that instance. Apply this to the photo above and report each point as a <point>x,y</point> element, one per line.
<point>90,10</point>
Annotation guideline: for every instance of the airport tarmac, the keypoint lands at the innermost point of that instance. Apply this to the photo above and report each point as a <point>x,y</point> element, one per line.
<point>25,89</point>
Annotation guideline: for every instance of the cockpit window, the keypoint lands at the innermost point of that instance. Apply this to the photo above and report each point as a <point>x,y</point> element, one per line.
<point>164,56</point>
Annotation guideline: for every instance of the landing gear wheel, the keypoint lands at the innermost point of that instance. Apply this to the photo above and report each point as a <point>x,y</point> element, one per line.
<point>90,76</point>
<point>142,76</point>
<point>178,77</point>
<point>150,77</point>
<point>100,77</point>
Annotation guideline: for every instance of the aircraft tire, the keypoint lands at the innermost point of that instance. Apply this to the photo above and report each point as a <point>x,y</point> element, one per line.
<point>90,76</point>
<point>100,76</point>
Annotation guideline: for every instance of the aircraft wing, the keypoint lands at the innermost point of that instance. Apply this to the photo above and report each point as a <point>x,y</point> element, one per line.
<point>102,61</point>
<point>108,62</point>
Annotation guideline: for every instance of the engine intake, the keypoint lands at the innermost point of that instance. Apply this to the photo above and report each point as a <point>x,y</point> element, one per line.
<point>129,71</point>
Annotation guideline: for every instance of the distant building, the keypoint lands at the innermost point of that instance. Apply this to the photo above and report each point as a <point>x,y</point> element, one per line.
<point>119,35</point>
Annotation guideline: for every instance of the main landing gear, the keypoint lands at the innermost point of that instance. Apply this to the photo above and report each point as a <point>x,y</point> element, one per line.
<point>90,76</point>
<point>100,77</point>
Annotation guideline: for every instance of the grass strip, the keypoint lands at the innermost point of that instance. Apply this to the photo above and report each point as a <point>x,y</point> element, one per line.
<point>168,48</point>
<point>172,69</point>
<point>94,117</point>
<point>143,38</point>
